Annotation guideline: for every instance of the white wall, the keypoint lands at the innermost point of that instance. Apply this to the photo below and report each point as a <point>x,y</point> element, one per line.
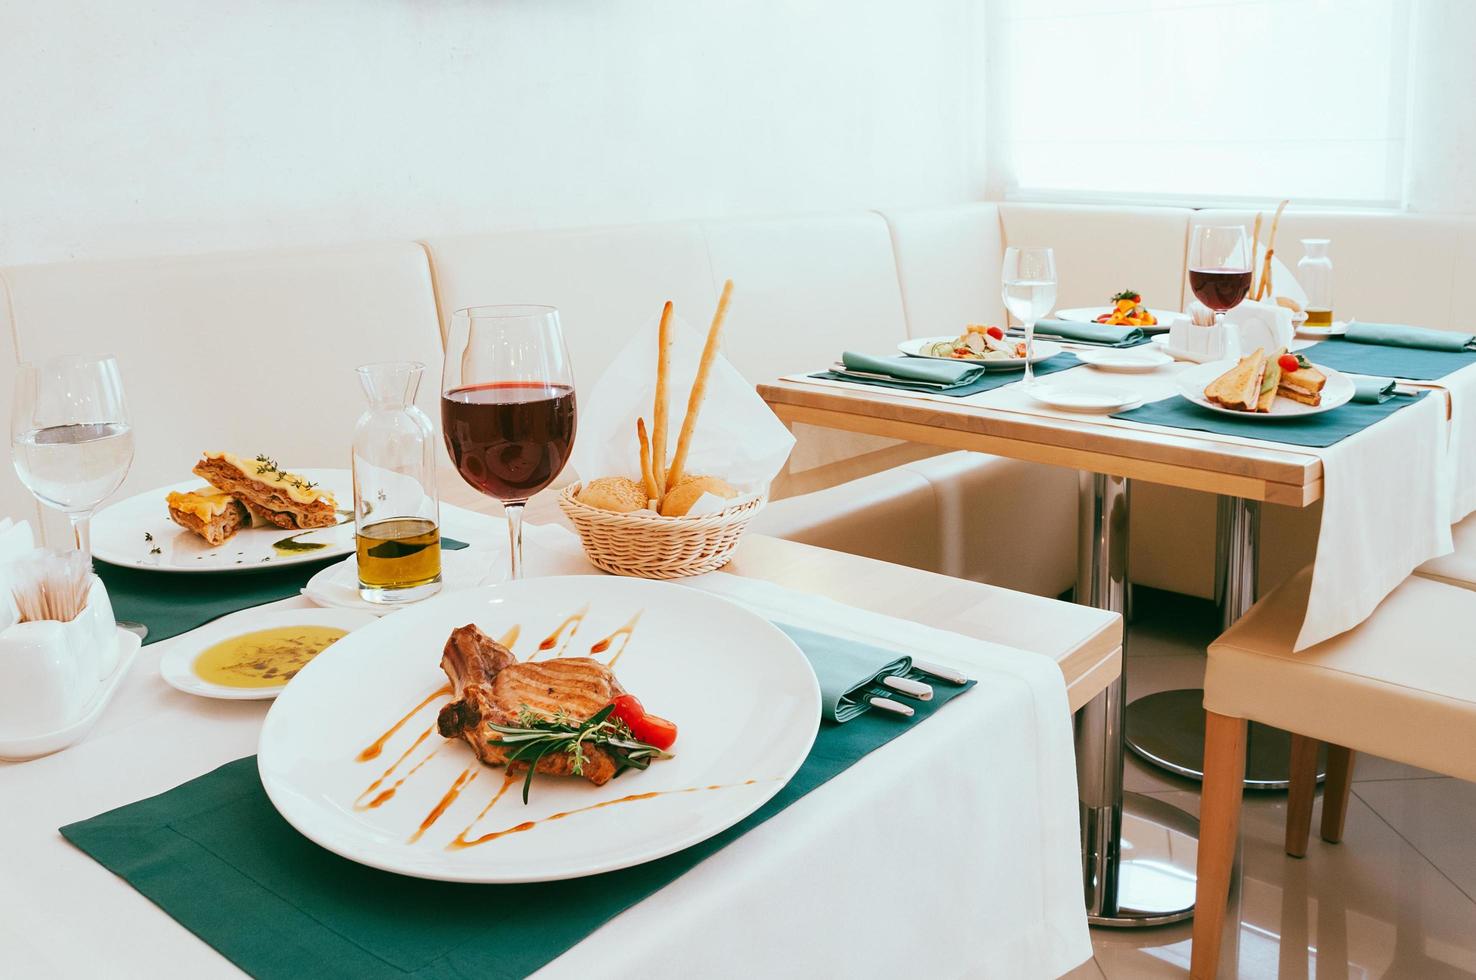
<point>177,126</point>
<point>1441,170</point>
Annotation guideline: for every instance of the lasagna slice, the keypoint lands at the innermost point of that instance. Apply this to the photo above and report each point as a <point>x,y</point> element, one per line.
<point>213,515</point>
<point>271,494</point>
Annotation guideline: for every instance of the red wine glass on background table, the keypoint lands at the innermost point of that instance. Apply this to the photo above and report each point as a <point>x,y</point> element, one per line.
<point>1219,266</point>
<point>507,406</point>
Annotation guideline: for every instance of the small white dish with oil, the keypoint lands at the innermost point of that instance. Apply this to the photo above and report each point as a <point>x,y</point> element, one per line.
<point>253,654</point>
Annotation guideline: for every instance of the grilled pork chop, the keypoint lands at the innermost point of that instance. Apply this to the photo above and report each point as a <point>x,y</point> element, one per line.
<point>491,686</point>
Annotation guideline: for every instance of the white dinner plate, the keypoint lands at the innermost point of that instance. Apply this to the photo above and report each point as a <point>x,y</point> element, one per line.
<point>1133,360</point>
<point>1337,392</point>
<point>126,533</point>
<point>1042,350</point>
<point>1075,396</point>
<point>743,697</point>
<point>1089,314</point>
<point>1336,329</point>
<point>177,666</point>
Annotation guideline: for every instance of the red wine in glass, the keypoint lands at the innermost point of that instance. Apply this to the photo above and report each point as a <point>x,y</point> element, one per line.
<point>1220,289</point>
<point>509,439</point>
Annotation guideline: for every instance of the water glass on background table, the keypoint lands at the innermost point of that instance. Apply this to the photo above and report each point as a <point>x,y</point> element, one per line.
<point>70,436</point>
<point>1028,285</point>
<point>507,406</point>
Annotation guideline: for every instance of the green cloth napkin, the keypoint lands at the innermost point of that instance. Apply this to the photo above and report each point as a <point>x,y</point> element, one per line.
<point>1373,391</point>
<point>1403,335</point>
<point>923,369</point>
<point>985,381</point>
<point>1092,333</point>
<point>1411,363</point>
<point>171,603</point>
<point>217,857</point>
<point>1318,431</point>
<point>846,670</point>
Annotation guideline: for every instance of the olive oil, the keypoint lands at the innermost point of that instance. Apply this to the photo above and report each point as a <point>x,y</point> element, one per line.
<point>1319,318</point>
<point>264,658</point>
<point>400,555</point>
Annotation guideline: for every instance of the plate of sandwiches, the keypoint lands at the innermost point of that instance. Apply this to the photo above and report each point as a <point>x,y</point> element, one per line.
<point>1279,386</point>
<point>239,514</point>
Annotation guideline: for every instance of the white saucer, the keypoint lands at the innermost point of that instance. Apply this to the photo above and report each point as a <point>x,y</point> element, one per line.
<point>1077,397</point>
<point>177,666</point>
<point>1134,360</point>
<point>337,585</point>
<point>35,746</point>
<point>1162,340</point>
<point>1336,329</point>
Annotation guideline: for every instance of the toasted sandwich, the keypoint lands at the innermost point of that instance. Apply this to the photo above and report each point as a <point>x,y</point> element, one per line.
<point>1240,387</point>
<point>1304,384</point>
<point>1270,382</point>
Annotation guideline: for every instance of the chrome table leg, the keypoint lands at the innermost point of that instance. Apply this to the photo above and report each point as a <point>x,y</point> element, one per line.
<point>1167,729</point>
<point>1138,853</point>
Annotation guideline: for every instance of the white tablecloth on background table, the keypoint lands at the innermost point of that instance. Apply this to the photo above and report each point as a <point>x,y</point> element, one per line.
<point>1387,490</point>
<point>952,850</point>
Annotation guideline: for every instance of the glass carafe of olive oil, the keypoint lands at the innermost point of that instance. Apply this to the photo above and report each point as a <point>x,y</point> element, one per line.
<point>396,512</point>
<point>1315,273</point>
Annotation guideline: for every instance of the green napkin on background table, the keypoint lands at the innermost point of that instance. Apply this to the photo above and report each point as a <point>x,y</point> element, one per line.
<point>1090,333</point>
<point>216,857</point>
<point>1402,335</point>
<point>171,603</point>
<point>980,382</point>
<point>924,371</point>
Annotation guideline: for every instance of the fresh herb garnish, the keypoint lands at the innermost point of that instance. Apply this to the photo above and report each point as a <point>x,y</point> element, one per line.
<point>535,736</point>
<point>1131,294</point>
<point>156,550</point>
<point>148,536</point>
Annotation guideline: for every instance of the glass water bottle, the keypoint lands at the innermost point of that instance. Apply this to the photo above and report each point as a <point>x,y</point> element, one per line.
<point>1315,273</point>
<point>396,512</point>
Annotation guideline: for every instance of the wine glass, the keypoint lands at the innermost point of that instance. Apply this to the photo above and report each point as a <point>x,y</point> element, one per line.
<point>1028,284</point>
<point>1220,266</point>
<point>70,436</point>
<point>507,406</point>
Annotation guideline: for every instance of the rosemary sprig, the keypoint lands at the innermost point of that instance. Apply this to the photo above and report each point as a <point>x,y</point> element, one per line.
<point>535,736</point>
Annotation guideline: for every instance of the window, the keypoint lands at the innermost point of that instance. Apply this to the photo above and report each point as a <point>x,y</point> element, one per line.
<point>1201,102</point>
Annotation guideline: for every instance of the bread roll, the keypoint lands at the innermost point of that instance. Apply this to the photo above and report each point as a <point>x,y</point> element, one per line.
<point>677,502</point>
<point>613,493</point>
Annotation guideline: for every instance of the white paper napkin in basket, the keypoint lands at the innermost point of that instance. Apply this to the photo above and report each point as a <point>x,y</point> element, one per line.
<point>737,437</point>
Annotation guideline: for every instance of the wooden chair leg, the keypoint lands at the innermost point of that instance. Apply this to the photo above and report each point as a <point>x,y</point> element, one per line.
<point>1301,793</point>
<point>1219,831</point>
<point>1335,792</point>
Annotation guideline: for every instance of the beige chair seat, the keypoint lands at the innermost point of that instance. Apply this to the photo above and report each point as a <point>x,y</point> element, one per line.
<point>1402,685</point>
<point>1459,567</point>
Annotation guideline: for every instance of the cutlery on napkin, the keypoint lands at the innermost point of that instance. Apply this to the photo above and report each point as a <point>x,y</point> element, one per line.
<point>1403,335</point>
<point>854,677</point>
<point>1376,391</point>
<point>920,371</point>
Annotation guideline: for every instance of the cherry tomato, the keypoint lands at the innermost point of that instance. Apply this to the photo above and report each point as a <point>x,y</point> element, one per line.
<point>996,333</point>
<point>1288,362</point>
<point>628,708</point>
<point>654,731</point>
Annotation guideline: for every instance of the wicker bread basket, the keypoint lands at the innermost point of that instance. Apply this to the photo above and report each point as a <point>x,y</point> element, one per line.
<point>647,546</point>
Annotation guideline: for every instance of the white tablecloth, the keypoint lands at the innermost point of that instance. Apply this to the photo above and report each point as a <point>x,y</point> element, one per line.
<point>1387,491</point>
<point>950,851</point>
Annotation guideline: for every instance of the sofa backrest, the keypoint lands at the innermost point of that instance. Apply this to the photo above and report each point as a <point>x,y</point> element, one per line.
<point>948,264</point>
<point>249,352</point>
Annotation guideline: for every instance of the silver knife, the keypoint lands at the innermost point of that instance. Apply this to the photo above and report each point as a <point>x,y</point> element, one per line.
<point>844,371</point>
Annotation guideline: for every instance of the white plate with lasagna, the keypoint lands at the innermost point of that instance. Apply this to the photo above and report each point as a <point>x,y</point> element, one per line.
<point>138,533</point>
<point>369,751</point>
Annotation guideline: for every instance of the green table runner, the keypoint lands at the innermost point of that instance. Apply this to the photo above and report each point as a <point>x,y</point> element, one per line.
<point>1409,363</point>
<point>987,381</point>
<point>1318,431</point>
<point>171,603</point>
<point>216,856</point>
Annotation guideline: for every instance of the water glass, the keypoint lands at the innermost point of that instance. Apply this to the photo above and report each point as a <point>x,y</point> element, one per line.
<point>1028,285</point>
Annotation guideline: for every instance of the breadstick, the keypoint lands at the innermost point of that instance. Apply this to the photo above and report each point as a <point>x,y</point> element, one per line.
<point>658,419</point>
<point>647,477</point>
<point>1255,250</point>
<point>699,387</point>
<point>1271,247</point>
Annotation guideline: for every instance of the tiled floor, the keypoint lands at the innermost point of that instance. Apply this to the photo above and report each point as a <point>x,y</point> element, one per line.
<point>1396,899</point>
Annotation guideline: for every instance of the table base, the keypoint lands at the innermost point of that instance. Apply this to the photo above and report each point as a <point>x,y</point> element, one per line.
<point>1167,730</point>
<point>1155,878</point>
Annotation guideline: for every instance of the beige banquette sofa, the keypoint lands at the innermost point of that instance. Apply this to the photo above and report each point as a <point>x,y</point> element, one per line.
<point>251,351</point>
